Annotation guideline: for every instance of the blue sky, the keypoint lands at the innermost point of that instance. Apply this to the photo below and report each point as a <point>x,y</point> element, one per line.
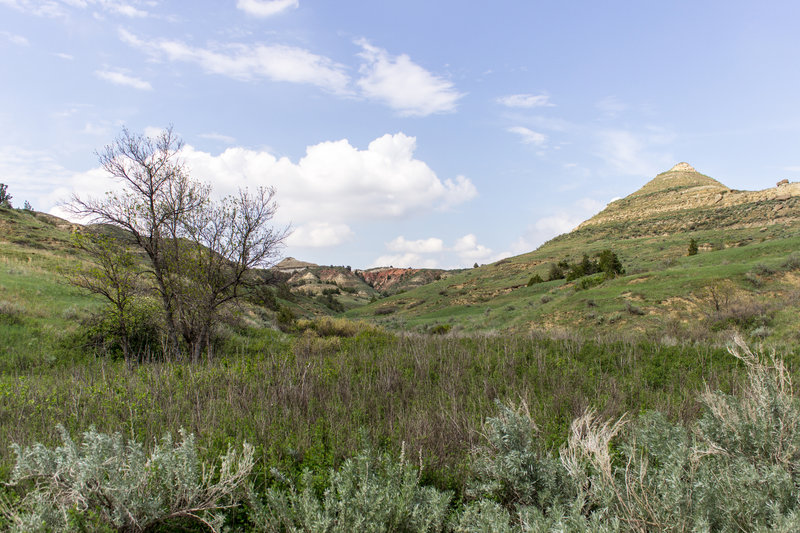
<point>410,133</point>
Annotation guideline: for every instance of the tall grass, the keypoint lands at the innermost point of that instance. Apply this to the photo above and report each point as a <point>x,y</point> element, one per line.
<point>305,402</point>
<point>735,468</point>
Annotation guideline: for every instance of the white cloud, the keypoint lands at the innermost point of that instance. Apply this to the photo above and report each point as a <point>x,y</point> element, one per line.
<point>526,100</point>
<point>323,195</point>
<point>431,245</point>
<point>119,78</point>
<point>336,182</point>
<point>407,260</point>
<point>319,235</point>
<point>126,10</point>
<point>432,253</point>
<point>14,39</point>
<point>529,136</point>
<point>552,225</point>
<point>66,57</point>
<point>249,62</point>
<point>266,8</point>
<point>38,177</point>
<point>468,249</point>
<point>403,85</point>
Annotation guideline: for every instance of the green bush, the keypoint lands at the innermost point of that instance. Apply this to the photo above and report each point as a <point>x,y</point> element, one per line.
<point>536,278</point>
<point>100,331</point>
<point>440,329</point>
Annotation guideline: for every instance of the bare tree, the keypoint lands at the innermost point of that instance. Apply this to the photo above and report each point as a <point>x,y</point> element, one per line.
<point>198,250</point>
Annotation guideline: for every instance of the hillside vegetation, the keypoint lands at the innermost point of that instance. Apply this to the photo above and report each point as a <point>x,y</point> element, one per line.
<point>487,399</point>
<point>746,275</point>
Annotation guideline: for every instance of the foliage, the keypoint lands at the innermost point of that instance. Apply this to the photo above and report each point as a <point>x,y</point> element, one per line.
<point>198,250</point>
<point>5,198</point>
<point>27,206</point>
<point>536,278</point>
<point>512,469</point>
<point>692,247</point>
<point>114,275</point>
<point>143,332</point>
<point>440,329</point>
<point>104,482</point>
<point>367,493</point>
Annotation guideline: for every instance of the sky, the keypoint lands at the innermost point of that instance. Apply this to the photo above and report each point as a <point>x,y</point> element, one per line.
<point>416,133</point>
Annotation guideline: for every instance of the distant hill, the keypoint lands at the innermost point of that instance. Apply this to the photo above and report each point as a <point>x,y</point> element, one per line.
<point>746,241</point>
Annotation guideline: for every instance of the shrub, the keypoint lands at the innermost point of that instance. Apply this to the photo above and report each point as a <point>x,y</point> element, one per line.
<point>556,272</point>
<point>693,248</point>
<point>511,469</point>
<point>792,262</point>
<point>107,483</point>
<point>536,278</point>
<point>335,327</point>
<point>440,329</point>
<point>633,310</point>
<point>368,493</point>
<point>735,471</point>
<point>101,332</point>
<point>5,198</point>
<point>285,318</point>
<point>11,313</point>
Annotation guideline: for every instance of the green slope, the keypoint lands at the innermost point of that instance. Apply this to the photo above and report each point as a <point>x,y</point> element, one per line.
<point>745,276</point>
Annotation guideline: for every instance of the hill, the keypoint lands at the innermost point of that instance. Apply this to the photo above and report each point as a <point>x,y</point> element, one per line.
<point>745,275</point>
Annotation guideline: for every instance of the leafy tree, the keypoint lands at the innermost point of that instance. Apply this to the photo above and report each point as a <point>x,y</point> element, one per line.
<point>692,247</point>
<point>27,206</point>
<point>536,278</point>
<point>556,272</point>
<point>608,262</point>
<point>198,250</point>
<point>114,275</point>
<point>5,198</point>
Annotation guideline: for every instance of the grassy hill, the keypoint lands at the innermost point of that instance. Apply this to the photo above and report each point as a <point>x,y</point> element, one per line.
<point>746,275</point>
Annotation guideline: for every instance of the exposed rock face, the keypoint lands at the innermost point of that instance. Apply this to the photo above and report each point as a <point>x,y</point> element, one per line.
<point>677,197</point>
<point>385,278</point>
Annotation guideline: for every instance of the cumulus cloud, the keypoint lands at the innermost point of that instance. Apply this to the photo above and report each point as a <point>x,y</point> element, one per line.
<point>432,253</point>
<point>319,235</point>
<point>266,8</point>
<point>468,249</point>
<point>403,85</point>
<point>336,182</point>
<point>406,260</point>
<point>431,245</point>
<point>323,195</point>
<point>120,78</point>
<point>529,136</point>
<point>526,100</point>
<point>249,62</point>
